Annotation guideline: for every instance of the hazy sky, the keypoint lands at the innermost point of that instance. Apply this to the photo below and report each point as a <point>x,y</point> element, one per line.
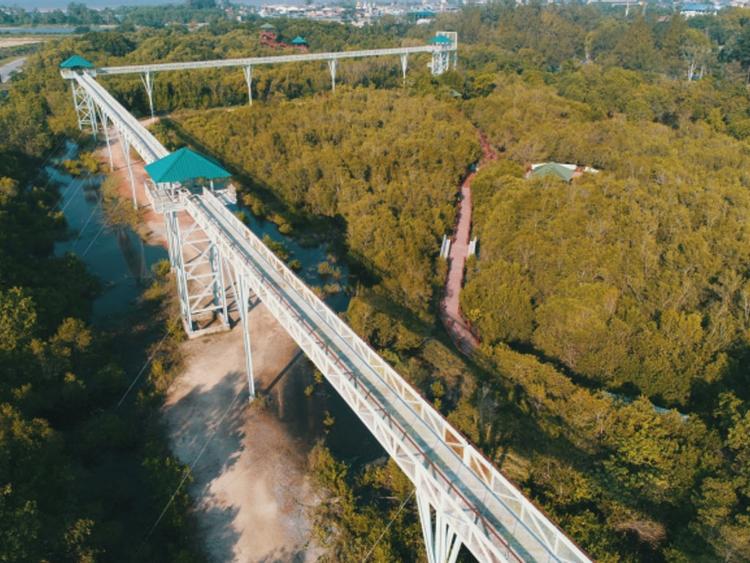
<point>47,4</point>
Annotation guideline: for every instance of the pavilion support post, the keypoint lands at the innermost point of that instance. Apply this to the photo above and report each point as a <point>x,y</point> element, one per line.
<point>332,68</point>
<point>248,72</point>
<point>148,83</point>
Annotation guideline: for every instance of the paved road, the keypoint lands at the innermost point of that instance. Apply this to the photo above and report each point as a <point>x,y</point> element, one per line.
<point>13,66</point>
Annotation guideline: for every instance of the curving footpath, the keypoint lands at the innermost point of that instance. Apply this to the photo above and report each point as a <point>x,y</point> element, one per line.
<point>450,308</point>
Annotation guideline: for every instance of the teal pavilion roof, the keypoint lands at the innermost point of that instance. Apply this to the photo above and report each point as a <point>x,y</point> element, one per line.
<point>183,165</point>
<point>76,61</point>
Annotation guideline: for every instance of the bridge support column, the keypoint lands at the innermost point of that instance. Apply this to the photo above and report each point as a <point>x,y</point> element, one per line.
<point>199,270</point>
<point>92,115</point>
<point>148,83</point>
<point>219,289</point>
<point>248,72</point>
<point>243,296</point>
<point>404,64</point>
<point>173,230</point>
<point>332,68</point>
<point>441,60</point>
<point>440,539</point>
<point>126,152</point>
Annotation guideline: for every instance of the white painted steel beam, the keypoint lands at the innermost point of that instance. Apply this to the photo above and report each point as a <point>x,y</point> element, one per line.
<point>276,59</point>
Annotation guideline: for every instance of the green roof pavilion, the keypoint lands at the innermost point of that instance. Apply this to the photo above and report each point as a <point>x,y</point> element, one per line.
<point>440,40</point>
<point>267,27</point>
<point>299,41</point>
<point>183,165</point>
<point>553,169</point>
<point>76,61</point>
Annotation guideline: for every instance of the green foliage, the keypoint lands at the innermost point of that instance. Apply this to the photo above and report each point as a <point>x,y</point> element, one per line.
<point>72,485</point>
<point>368,515</point>
<point>387,164</point>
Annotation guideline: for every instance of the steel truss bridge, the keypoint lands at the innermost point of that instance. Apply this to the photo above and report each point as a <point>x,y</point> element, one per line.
<point>444,55</point>
<point>220,265</point>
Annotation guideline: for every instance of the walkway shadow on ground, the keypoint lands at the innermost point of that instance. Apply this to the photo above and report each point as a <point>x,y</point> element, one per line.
<point>283,555</point>
<point>207,433</point>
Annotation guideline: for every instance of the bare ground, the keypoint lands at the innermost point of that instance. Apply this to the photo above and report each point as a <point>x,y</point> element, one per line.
<point>250,485</point>
<point>18,41</point>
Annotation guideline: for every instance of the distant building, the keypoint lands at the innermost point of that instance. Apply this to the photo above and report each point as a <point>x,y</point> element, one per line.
<point>690,10</point>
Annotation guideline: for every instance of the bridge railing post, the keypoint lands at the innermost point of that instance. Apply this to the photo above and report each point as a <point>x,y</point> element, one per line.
<point>105,127</point>
<point>180,272</point>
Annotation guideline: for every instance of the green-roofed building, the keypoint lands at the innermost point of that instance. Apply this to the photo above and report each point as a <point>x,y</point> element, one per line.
<point>267,27</point>
<point>299,41</point>
<point>75,62</point>
<point>184,166</point>
<point>185,169</point>
<point>555,169</point>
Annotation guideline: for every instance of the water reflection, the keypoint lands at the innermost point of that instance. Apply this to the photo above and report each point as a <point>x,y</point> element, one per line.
<point>117,256</point>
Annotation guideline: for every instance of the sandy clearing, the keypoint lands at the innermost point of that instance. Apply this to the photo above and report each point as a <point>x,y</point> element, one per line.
<point>250,484</point>
<point>18,41</point>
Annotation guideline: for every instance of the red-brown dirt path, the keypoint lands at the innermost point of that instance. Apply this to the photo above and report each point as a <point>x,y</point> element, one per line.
<point>450,307</point>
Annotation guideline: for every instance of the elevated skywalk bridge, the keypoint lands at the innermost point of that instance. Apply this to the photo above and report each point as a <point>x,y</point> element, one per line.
<point>462,498</point>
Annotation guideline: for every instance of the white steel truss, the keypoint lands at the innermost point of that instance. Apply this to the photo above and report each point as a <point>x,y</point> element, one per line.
<point>200,278</point>
<point>462,498</point>
<point>276,59</point>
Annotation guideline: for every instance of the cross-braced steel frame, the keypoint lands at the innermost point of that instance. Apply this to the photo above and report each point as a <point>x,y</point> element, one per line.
<point>462,499</point>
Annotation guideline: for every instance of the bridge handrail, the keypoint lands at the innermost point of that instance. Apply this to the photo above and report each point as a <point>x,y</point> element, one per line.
<point>530,517</point>
<point>253,61</point>
<point>122,118</point>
